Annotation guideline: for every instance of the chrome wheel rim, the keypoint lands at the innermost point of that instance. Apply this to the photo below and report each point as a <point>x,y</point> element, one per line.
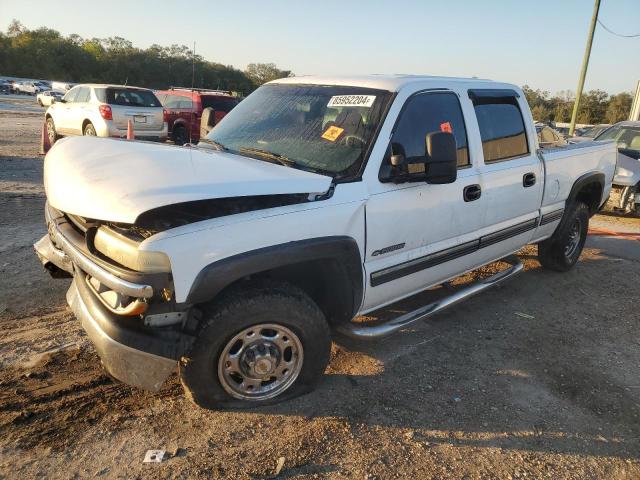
<point>51,132</point>
<point>574,239</point>
<point>90,131</point>
<point>260,362</point>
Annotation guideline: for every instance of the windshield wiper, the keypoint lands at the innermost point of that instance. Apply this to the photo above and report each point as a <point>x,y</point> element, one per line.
<point>217,145</point>
<point>281,159</point>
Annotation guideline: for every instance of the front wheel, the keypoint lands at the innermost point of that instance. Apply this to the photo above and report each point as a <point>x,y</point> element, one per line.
<point>562,250</point>
<point>262,345</point>
<point>51,131</point>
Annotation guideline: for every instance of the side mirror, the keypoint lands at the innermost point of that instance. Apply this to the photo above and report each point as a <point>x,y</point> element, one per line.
<point>441,164</point>
<point>207,121</point>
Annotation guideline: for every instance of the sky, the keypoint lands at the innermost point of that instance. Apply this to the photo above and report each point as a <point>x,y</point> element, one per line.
<point>539,43</point>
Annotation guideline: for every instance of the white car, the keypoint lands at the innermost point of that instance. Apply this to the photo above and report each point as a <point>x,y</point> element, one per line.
<point>105,111</point>
<point>28,88</point>
<point>314,201</point>
<point>48,98</point>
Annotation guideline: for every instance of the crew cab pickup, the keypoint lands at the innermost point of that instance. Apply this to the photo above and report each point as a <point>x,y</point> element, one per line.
<point>314,201</point>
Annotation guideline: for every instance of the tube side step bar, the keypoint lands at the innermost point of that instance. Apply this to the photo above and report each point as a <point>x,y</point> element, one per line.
<point>370,332</point>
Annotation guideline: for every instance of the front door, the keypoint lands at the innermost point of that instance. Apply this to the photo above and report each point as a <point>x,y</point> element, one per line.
<point>420,234</point>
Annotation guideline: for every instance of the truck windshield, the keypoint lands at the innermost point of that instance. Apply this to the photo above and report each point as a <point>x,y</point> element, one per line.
<point>321,128</point>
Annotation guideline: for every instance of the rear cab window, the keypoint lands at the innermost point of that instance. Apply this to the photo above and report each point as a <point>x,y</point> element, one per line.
<point>502,127</point>
<point>128,97</point>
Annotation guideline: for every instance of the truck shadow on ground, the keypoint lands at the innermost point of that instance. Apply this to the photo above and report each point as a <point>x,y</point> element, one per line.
<point>543,363</point>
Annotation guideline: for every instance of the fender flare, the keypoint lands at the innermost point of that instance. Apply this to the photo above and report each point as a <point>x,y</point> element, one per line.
<point>215,277</point>
<point>597,178</point>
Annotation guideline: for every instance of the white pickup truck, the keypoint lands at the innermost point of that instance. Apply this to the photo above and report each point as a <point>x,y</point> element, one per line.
<point>314,201</point>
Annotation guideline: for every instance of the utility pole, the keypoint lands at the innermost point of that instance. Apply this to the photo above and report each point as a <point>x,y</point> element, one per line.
<point>585,64</point>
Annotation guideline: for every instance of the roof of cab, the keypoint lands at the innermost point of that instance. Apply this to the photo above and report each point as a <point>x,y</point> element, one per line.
<point>392,83</point>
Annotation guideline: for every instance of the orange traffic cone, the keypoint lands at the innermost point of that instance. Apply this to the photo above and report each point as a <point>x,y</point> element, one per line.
<point>45,144</point>
<point>130,135</point>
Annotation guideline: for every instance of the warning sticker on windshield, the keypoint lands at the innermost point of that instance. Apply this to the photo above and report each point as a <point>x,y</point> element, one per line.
<point>351,101</point>
<point>332,133</point>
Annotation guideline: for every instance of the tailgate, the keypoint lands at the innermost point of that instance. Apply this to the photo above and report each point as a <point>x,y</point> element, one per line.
<point>143,118</point>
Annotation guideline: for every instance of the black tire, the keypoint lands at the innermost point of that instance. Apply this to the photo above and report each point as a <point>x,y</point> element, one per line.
<point>179,135</point>
<point>89,130</point>
<point>562,250</point>
<point>279,304</point>
<point>51,131</point>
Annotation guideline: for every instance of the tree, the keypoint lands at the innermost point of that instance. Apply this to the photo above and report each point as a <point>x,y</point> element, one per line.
<point>45,53</point>
<point>619,107</point>
<point>260,73</point>
<point>15,28</point>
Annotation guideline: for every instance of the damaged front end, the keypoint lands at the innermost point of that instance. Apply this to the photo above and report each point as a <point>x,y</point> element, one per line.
<point>129,314</point>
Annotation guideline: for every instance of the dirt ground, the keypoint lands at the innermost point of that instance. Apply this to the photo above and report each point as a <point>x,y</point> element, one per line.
<point>537,378</point>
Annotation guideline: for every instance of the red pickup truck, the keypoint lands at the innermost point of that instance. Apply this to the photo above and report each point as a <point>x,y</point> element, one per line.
<point>184,107</point>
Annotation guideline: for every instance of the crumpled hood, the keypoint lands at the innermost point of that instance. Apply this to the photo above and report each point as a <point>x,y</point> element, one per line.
<point>117,180</point>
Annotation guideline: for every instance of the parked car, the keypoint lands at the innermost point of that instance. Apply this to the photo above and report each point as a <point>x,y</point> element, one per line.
<point>315,201</point>
<point>48,98</point>
<point>549,137</point>
<point>104,111</point>
<point>626,184</point>
<point>63,87</point>
<point>28,88</point>
<point>5,86</point>
<point>184,110</point>
<point>589,133</point>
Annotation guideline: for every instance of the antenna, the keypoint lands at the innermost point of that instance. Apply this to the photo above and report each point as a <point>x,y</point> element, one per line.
<point>193,79</point>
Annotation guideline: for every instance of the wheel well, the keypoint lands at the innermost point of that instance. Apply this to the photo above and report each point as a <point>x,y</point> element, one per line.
<point>85,123</point>
<point>590,194</point>
<point>326,281</point>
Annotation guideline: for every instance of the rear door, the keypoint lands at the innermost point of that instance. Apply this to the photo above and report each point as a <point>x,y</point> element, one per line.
<point>140,106</point>
<point>512,174</point>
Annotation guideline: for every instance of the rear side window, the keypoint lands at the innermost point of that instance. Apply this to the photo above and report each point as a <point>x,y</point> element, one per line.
<point>219,104</point>
<point>83,95</point>
<point>501,128</point>
<point>71,95</point>
<point>128,97</point>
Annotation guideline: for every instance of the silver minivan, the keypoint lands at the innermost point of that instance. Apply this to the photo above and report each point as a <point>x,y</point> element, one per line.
<point>105,111</point>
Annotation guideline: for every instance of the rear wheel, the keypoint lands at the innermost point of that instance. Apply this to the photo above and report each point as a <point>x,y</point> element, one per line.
<point>260,346</point>
<point>180,135</point>
<point>562,250</point>
<point>89,130</point>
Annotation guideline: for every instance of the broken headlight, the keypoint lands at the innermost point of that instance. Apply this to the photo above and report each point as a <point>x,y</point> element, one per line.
<point>125,251</point>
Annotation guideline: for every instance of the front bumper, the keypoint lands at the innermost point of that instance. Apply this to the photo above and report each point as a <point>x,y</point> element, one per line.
<point>133,353</point>
<point>124,352</point>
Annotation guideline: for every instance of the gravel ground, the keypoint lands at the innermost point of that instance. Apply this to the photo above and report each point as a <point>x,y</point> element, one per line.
<point>536,378</point>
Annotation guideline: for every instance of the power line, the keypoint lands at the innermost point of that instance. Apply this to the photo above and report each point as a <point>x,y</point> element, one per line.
<point>615,33</point>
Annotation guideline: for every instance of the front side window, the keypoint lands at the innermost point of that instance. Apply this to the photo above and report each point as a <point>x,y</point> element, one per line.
<point>423,114</point>
<point>321,128</point>
<point>502,128</point>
